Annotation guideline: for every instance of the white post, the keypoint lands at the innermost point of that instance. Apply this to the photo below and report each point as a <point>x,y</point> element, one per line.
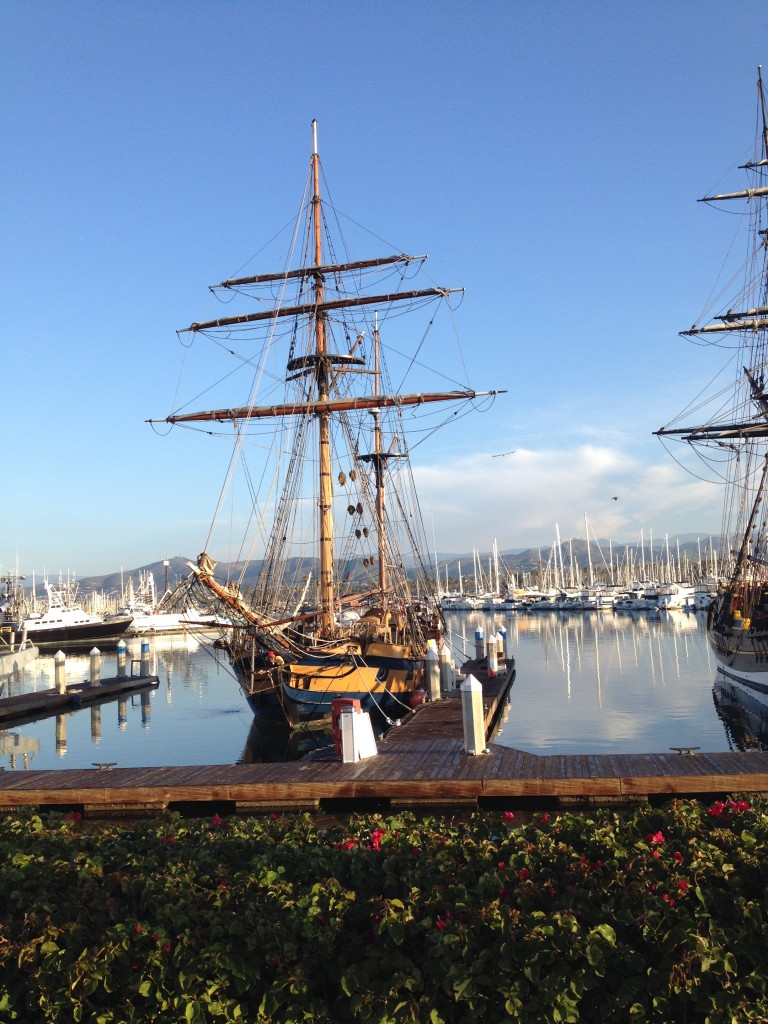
<point>95,667</point>
<point>479,646</point>
<point>472,711</point>
<point>445,660</point>
<point>145,657</point>
<point>433,671</point>
<point>493,656</point>
<point>122,659</point>
<point>501,637</point>
<point>60,671</point>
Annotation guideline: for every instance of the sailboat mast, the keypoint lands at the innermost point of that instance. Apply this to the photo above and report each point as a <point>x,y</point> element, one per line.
<point>327,620</point>
<point>378,463</point>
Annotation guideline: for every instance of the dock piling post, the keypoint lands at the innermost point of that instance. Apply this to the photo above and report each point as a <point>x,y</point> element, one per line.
<point>60,671</point>
<point>472,712</point>
<point>95,667</point>
<point>447,679</point>
<point>501,637</point>
<point>433,671</point>
<point>145,657</point>
<point>122,659</point>
<point>493,656</point>
<point>479,645</point>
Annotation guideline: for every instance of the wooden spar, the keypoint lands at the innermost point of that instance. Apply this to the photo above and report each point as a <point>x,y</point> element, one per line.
<point>758,324</point>
<point>319,307</point>
<point>332,405</point>
<point>231,600</point>
<point>331,268</point>
<point>327,617</point>
<point>747,193</point>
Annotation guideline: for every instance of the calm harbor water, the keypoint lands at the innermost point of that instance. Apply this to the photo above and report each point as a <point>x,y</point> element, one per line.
<point>586,683</point>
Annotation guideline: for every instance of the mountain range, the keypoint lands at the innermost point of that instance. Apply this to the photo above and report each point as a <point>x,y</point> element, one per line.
<point>690,549</point>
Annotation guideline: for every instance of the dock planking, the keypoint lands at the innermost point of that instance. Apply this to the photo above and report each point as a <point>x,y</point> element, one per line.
<point>420,764</point>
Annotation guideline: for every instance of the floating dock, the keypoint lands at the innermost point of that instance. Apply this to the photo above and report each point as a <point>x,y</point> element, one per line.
<point>29,707</point>
<point>421,764</point>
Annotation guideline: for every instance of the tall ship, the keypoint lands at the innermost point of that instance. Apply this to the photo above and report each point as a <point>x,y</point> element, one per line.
<point>337,595</point>
<point>731,435</point>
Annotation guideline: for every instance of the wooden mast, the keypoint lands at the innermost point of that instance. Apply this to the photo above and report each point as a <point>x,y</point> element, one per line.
<point>381,521</point>
<point>325,511</point>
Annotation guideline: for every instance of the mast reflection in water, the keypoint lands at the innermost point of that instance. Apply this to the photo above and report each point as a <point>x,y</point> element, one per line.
<point>606,682</point>
<point>586,683</point>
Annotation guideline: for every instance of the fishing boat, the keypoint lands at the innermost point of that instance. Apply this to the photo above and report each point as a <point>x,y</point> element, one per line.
<point>732,435</point>
<point>345,602</point>
<point>66,626</point>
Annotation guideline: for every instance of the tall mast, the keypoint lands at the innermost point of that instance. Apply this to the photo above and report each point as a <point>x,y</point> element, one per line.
<point>327,620</point>
<point>378,450</point>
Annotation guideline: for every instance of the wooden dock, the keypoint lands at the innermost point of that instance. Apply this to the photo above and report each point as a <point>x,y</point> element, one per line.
<point>421,764</point>
<point>29,707</point>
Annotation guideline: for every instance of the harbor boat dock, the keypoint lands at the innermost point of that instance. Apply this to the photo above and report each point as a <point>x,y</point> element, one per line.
<point>421,764</point>
<point>29,707</point>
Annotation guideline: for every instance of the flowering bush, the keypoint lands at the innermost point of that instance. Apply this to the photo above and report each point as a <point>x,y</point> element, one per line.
<point>658,915</point>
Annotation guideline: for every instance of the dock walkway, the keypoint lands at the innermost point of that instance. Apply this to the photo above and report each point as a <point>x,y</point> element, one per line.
<point>423,764</point>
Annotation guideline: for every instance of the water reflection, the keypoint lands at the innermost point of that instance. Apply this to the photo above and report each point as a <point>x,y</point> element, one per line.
<point>601,682</point>
<point>587,682</point>
<point>743,714</point>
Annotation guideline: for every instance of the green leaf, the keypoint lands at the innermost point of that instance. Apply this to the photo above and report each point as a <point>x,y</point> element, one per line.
<point>606,932</point>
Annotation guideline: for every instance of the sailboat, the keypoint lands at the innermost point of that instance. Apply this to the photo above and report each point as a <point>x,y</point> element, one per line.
<point>733,436</point>
<point>345,601</point>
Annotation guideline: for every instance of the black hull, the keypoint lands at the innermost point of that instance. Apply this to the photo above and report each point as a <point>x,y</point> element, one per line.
<point>84,636</point>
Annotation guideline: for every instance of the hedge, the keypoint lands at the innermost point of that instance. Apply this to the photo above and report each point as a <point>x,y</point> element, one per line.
<point>648,915</point>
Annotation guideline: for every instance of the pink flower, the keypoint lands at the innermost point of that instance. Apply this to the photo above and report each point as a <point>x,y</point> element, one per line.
<point>656,837</point>
<point>376,836</point>
<point>509,815</point>
<point>655,853</point>
<point>216,821</point>
<point>441,924</point>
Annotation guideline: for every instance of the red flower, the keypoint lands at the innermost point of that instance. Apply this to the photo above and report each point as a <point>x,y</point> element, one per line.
<point>669,899</point>
<point>509,815</point>
<point>138,929</point>
<point>216,821</point>
<point>523,873</point>
<point>441,924</point>
<point>376,837</point>
<point>544,819</point>
<point>678,857</point>
<point>656,837</point>
<point>682,885</point>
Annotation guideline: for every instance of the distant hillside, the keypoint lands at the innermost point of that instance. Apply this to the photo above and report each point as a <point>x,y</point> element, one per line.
<point>687,550</point>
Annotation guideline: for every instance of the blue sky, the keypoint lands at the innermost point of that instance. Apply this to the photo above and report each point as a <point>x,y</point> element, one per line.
<point>547,155</point>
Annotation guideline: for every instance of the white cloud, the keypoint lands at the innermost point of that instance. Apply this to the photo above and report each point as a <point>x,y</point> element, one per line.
<point>519,498</point>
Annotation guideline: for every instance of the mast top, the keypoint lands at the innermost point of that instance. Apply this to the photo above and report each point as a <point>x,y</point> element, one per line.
<point>314,137</point>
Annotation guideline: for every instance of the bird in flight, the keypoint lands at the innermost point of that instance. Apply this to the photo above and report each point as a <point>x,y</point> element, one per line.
<point>615,497</point>
<point>502,454</point>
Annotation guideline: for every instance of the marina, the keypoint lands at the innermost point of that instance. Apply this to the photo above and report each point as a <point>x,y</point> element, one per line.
<point>193,742</point>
